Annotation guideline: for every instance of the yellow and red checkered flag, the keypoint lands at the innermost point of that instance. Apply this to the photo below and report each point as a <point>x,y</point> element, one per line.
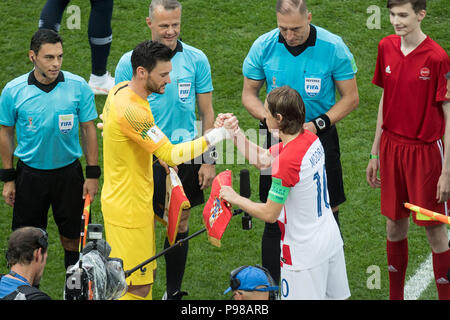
<point>217,212</point>
<point>85,222</point>
<point>176,202</point>
<point>425,214</point>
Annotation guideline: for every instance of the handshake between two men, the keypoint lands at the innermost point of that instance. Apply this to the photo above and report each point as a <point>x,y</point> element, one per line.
<point>259,157</point>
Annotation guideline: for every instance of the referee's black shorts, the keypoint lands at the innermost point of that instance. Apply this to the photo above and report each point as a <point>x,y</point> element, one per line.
<point>188,174</point>
<point>37,190</point>
<point>335,182</point>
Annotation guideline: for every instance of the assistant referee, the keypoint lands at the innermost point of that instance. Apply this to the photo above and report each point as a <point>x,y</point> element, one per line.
<point>45,109</point>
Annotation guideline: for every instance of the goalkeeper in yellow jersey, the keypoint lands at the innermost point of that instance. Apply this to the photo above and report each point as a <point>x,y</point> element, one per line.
<point>130,139</point>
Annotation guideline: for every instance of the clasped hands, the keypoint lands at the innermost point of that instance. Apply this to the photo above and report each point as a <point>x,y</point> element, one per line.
<point>229,122</point>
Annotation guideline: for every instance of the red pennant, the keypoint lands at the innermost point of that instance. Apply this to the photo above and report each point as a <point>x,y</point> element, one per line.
<point>176,202</point>
<point>217,212</point>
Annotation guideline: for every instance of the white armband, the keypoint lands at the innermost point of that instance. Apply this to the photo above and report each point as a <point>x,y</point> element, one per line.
<point>216,135</point>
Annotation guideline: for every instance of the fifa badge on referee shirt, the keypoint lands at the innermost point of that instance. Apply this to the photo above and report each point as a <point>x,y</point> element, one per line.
<point>312,86</point>
<point>184,89</point>
<point>65,123</point>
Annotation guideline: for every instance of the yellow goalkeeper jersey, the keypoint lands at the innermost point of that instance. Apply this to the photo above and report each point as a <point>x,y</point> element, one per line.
<point>130,138</point>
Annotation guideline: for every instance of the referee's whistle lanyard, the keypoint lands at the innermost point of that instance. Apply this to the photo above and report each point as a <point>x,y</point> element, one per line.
<point>18,276</point>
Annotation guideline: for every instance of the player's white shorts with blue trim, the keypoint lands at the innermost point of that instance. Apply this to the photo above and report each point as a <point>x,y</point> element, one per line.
<point>327,281</point>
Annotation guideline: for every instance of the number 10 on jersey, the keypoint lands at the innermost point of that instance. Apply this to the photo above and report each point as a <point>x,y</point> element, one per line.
<point>322,191</point>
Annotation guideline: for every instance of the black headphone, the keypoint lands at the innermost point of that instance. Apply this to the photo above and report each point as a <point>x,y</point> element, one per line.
<point>43,239</point>
<point>42,242</point>
<point>235,282</point>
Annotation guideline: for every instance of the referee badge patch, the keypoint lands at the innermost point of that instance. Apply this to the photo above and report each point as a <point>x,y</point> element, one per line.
<point>312,86</point>
<point>184,90</point>
<point>65,123</point>
<point>30,126</point>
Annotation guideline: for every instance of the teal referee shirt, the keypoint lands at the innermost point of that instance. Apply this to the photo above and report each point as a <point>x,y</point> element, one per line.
<point>47,118</point>
<point>311,71</point>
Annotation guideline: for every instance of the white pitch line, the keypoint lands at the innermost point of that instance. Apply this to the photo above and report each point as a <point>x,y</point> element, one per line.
<point>419,282</point>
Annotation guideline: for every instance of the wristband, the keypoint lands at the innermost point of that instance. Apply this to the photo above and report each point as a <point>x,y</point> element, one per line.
<point>322,123</point>
<point>373,156</point>
<point>93,172</point>
<point>7,175</point>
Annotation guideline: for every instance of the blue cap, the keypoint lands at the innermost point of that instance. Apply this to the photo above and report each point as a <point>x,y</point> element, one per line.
<point>250,278</point>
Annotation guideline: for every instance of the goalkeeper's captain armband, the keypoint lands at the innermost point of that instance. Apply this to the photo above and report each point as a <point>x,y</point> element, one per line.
<point>216,135</point>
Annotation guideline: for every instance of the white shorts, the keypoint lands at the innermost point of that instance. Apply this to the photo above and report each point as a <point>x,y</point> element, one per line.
<point>327,281</point>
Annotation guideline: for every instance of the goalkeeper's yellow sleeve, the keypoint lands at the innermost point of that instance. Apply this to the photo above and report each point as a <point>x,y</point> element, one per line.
<point>175,154</point>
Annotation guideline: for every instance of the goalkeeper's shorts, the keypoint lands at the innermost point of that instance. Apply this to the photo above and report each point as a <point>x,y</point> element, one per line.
<point>133,246</point>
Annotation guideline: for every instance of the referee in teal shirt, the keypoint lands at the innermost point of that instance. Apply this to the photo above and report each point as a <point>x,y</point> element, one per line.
<point>46,109</point>
<point>316,63</point>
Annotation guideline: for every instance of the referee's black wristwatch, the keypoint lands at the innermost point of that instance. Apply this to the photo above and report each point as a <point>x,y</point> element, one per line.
<point>210,156</point>
<point>322,123</point>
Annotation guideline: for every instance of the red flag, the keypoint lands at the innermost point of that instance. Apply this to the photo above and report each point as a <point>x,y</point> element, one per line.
<point>217,213</point>
<point>176,202</point>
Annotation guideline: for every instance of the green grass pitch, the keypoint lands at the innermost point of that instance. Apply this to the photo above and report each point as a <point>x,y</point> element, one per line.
<point>225,30</point>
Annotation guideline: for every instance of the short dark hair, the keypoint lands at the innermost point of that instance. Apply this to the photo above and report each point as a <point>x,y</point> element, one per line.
<point>23,242</point>
<point>43,36</point>
<point>288,103</point>
<point>416,4</point>
<point>166,4</point>
<point>148,53</point>
<point>288,6</point>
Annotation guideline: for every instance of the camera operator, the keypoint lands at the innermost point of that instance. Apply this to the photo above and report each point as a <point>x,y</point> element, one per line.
<point>95,276</point>
<point>252,283</point>
<point>27,256</point>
